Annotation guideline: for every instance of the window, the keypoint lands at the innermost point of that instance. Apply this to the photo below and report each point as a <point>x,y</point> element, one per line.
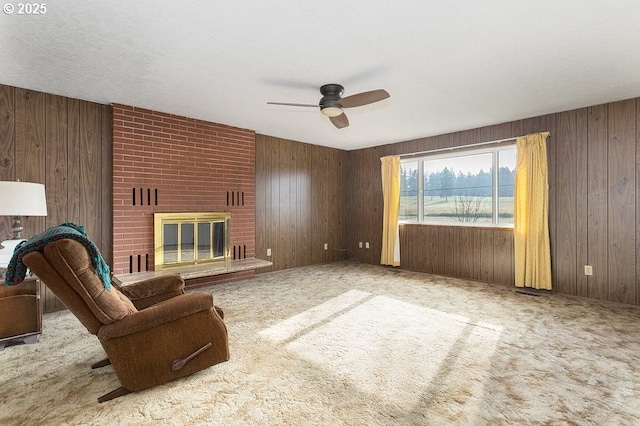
<point>464,188</point>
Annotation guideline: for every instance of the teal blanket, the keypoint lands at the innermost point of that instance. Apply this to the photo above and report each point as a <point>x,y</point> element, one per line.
<point>16,271</point>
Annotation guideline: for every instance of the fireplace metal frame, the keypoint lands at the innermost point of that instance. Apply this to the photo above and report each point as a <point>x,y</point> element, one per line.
<point>179,218</point>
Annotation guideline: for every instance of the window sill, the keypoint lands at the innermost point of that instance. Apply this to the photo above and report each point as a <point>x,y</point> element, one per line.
<point>462,225</point>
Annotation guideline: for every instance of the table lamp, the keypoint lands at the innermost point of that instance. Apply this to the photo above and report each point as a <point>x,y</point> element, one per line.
<point>19,199</point>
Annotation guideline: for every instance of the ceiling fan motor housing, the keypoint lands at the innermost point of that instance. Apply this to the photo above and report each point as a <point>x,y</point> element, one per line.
<point>330,102</point>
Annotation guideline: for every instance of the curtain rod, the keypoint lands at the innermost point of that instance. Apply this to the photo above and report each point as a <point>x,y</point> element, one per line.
<point>414,154</point>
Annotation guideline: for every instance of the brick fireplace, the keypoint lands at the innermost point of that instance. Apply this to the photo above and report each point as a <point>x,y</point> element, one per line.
<point>164,163</point>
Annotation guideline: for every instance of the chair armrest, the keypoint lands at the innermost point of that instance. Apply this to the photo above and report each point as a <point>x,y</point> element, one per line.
<point>153,287</point>
<point>156,315</point>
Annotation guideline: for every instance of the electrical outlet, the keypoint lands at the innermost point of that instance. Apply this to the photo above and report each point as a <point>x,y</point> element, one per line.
<point>326,246</point>
<point>366,244</point>
<point>588,270</point>
<point>360,244</point>
<point>268,252</point>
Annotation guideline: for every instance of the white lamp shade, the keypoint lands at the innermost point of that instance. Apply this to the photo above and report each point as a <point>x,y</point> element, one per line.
<point>22,199</point>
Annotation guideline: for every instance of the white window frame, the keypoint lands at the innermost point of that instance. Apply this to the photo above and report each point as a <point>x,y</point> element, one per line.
<point>462,153</point>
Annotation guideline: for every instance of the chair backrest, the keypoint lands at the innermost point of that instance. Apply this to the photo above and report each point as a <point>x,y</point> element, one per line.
<point>66,269</point>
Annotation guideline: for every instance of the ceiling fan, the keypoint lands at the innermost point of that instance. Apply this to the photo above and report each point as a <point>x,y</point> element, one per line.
<point>331,103</point>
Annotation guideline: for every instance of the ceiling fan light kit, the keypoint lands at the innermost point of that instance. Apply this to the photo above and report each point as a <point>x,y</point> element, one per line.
<point>332,111</point>
<point>331,103</point>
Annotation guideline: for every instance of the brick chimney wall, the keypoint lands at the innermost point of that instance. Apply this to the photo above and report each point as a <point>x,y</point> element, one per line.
<point>167,163</point>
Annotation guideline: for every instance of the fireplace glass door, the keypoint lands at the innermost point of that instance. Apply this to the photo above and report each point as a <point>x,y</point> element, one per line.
<point>187,239</point>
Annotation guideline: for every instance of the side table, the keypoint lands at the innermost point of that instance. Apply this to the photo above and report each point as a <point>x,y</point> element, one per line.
<point>20,312</point>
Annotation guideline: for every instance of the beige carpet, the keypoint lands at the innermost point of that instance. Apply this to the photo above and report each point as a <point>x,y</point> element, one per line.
<point>350,344</point>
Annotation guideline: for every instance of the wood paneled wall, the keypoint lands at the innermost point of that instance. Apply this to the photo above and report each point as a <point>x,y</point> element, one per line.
<point>482,254</point>
<point>299,203</point>
<point>308,195</point>
<point>65,144</point>
<point>594,210</point>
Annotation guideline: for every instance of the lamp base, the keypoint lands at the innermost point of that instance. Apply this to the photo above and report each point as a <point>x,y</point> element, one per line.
<point>16,227</point>
<point>6,251</point>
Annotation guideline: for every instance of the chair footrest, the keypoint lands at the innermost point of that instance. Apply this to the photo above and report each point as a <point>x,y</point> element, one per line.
<point>101,363</point>
<point>114,394</point>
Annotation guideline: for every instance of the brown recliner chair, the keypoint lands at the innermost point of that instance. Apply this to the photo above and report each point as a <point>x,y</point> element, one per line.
<point>151,331</point>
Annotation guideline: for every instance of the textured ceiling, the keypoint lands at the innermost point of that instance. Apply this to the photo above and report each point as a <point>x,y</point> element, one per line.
<point>448,65</point>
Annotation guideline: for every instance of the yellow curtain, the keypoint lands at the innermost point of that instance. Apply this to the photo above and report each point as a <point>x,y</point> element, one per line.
<point>391,194</point>
<point>532,250</point>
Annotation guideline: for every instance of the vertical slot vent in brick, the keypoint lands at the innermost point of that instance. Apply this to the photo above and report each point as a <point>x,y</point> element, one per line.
<point>240,252</point>
<point>235,198</point>
<point>140,201</point>
<point>136,263</point>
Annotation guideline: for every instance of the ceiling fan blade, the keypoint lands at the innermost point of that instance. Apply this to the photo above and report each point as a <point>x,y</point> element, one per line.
<point>340,121</point>
<point>364,98</point>
<point>291,104</point>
